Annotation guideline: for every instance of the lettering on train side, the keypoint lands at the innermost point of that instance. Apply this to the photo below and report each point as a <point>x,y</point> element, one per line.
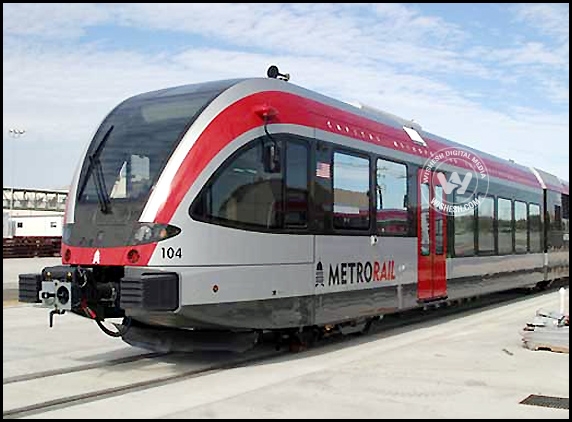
<point>359,272</point>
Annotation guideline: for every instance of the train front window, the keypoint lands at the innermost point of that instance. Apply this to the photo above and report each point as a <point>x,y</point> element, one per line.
<point>133,145</point>
<point>133,180</point>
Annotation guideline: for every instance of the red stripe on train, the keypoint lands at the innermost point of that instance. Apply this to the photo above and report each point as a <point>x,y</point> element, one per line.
<point>292,109</point>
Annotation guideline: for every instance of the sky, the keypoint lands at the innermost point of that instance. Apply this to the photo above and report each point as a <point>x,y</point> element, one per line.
<point>491,76</point>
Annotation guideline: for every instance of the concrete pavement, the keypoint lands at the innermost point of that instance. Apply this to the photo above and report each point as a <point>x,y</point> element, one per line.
<point>468,365</point>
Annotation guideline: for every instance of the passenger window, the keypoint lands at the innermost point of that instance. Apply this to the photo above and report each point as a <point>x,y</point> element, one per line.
<point>565,220</point>
<point>557,223</point>
<point>425,245</point>
<point>485,213</point>
<point>351,187</point>
<point>535,228</point>
<point>521,227</point>
<point>391,198</point>
<point>245,193</point>
<point>296,213</point>
<point>504,214</point>
<point>439,235</point>
<point>464,228</point>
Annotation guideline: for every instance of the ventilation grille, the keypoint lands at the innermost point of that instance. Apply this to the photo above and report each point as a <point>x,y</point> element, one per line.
<point>547,401</point>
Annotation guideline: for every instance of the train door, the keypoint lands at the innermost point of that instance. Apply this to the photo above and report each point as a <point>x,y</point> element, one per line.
<point>432,246</point>
<point>345,258</point>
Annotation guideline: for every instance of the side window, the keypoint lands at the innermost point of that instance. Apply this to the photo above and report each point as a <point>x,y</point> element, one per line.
<point>244,193</point>
<point>521,227</point>
<point>504,217</point>
<point>535,228</point>
<point>296,200</point>
<point>439,235</point>
<point>557,222</point>
<point>351,187</point>
<point>464,228</point>
<point>391,198</point>
<point>425,245</point>
<point>565,220</point>
<point>485,214</point>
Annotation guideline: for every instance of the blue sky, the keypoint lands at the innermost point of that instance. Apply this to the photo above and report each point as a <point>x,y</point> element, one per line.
<point>490,76</point>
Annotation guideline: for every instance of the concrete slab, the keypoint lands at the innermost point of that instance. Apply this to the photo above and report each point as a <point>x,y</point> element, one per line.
<point>30,346</point>
<point>470,365</point>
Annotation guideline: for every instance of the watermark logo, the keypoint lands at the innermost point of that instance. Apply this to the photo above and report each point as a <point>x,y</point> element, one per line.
<point>459,181</point>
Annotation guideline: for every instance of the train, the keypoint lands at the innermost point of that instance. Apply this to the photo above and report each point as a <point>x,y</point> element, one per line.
<point>223,210</point>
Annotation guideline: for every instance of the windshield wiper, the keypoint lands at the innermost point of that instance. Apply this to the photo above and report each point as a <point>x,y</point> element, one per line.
<point>99,181</point>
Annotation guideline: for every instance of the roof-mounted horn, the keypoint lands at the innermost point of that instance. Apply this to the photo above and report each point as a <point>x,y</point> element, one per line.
<point>273,72</point>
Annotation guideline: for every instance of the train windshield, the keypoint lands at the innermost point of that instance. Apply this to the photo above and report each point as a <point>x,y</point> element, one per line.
<point>134,142</point>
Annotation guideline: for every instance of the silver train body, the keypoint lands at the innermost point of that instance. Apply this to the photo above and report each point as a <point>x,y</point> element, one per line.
<point>256,204</point>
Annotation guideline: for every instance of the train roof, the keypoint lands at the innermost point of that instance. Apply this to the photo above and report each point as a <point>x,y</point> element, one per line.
<point>539,177</point>
<point>510,169</point>
<point>211,86</point>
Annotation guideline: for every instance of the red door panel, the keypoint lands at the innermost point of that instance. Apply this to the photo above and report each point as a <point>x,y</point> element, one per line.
<point>432,241</point>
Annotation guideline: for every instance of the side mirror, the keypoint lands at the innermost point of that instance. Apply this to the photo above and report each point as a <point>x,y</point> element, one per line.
<point>271,157</point>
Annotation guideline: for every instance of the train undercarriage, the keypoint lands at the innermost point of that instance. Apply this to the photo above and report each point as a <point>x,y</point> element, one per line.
<point>140,311</point>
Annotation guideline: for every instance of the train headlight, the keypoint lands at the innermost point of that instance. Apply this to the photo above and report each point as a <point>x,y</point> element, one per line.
<point>152,232</point>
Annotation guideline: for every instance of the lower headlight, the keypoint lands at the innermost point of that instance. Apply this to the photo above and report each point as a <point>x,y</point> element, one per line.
<point>152,232</point>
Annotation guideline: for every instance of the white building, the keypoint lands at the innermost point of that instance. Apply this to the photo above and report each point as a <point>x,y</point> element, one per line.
<point>33,212</point>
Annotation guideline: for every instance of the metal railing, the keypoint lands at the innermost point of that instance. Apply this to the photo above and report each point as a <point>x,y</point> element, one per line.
<point>33,199</point>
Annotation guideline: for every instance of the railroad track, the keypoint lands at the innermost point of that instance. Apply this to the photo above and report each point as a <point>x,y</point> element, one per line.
<point>80,368</point>
<point>142,373</point>
<point>135,373</point>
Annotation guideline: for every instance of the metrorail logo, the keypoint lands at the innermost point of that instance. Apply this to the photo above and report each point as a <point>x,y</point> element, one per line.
<point>355,272</point>
<point>456,180</point>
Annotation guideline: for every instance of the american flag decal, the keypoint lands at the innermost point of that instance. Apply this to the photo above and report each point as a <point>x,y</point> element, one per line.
<point>323,170</point>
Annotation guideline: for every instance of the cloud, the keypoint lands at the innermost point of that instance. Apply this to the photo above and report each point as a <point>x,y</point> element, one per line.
<point>60,82</point>
<point>552,19</point>
<point>51,20</point>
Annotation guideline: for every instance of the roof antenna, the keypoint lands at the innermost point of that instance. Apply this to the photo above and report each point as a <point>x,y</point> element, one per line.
<point>273,72</point>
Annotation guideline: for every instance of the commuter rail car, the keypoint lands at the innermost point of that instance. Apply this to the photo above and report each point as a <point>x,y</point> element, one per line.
<point>252,205</point>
